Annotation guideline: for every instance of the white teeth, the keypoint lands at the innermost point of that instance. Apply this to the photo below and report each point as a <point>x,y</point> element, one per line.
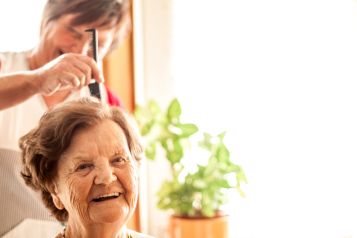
<point>107,195</point>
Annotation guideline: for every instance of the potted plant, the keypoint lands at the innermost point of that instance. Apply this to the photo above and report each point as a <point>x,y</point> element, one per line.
<point>193,197</point>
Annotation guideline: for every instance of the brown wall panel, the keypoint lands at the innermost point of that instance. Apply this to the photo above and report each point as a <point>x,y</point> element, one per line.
<point>118,71</point>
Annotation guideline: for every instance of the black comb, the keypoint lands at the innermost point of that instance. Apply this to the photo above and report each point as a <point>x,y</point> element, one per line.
<point>92,40</point>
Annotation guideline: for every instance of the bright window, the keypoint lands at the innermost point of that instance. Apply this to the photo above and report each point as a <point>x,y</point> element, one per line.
<point>20,24</point>
<point>281,78</point>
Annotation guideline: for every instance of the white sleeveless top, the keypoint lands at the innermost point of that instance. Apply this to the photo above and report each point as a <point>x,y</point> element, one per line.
<point>29,227</point>
<point>18,201</point>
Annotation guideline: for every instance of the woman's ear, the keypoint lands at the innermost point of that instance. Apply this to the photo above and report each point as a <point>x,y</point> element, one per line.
<point>56,200</point>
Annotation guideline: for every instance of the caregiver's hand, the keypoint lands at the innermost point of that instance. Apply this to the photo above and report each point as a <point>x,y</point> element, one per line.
<point>67,71</point>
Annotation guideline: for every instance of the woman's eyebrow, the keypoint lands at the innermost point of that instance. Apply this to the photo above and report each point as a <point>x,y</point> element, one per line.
<point>77,160</point>
<point>74,31</point>
<point>119,150</point>
<point>81,158</point>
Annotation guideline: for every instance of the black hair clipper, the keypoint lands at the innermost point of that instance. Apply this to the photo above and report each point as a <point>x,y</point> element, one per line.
<point>92,40</point>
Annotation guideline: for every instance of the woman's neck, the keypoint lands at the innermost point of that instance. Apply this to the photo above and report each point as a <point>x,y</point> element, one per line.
<point>95,230</point>
<point>34,58</point>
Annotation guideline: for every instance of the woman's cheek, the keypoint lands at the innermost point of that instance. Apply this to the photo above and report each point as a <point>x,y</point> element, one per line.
<point>77,198</point>
<point>129,179</point>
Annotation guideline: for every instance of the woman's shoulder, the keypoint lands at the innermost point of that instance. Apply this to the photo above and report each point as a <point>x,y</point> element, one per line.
<point>12,62</point>
<point>11,55</point>
<point>135,234</point>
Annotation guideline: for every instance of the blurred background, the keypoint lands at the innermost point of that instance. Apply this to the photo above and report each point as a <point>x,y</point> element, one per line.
<point>279,76</point>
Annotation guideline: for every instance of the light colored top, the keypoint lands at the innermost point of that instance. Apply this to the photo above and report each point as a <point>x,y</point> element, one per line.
<point>31,228</point>
<point>17,200</point>
<point>135,234</point>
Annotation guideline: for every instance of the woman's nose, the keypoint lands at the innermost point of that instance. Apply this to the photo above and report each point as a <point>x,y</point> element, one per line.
<point>105,175</point>
<point>81,47</point>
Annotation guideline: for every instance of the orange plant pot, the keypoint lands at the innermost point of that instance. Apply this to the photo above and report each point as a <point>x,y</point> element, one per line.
<point>181,227</point>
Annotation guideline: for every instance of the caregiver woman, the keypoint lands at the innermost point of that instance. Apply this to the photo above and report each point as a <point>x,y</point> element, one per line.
<point>84,159</point>
<point>56,70</point>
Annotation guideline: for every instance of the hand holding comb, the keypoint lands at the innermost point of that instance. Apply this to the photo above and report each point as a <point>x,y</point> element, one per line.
<point>92,41</point>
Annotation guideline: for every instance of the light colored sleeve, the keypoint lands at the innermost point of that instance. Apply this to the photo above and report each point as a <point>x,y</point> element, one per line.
<point>135,234</point>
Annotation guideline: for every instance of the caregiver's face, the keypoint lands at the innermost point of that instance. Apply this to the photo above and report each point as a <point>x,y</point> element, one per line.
<point>62,37</point>
<point>97,178</point>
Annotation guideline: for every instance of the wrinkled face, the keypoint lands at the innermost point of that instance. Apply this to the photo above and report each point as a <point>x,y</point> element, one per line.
<point>61,37</point>
<point>97,177</point>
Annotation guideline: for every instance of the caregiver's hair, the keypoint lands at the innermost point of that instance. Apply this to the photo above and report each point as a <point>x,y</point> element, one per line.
<point>43,146</point>
<point>113,13</point>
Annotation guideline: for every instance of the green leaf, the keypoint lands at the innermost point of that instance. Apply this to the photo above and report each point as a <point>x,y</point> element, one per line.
<point>185,143</point>
<point>188,129</point>
<point>145,129</point>
<point>240,191</point>
<point>165,190</point>
<point>154,108</point>
<point>201,171</point>
<point>206,142</point>
<point>174,111</point>
<point>165,133</point>
<point>232,167</point>
<point>199,184</point>
<point>203,145</point>
<point>222,135</point>
<point>240,175</point>
<point>191,212</point>
<point>139,112</point>
<point>207,136</point>
<point>223,153</point>
<point>140,117</point>
<point>150,150</point>
<point>176,154</point>
<point>222,184</point>
<point>154,132</point>
<point>207,211</point>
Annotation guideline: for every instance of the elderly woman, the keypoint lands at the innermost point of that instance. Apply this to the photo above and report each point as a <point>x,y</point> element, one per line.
<point>84,159</point>
<point>54,71</point>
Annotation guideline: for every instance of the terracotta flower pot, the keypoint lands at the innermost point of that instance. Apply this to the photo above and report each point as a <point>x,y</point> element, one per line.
<point>184,227</point>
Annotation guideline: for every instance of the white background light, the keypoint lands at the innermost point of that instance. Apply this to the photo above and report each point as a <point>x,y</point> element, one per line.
<point>20,24</point>
<point>281,78</point>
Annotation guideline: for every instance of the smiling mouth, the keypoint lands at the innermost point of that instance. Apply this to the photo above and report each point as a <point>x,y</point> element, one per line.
<point>106,197</point>
<point>60,52</point>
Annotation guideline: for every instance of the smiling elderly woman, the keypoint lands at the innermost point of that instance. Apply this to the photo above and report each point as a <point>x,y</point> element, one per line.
<point>84,158</point>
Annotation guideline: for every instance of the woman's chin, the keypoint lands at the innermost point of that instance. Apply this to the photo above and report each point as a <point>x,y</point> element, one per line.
<point>108,211</point>
<point>110,215</point>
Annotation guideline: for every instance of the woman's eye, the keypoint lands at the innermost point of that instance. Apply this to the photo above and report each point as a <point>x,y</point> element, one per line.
<point>74,33</point>
<point>82,167</point>
<point>118,160</point>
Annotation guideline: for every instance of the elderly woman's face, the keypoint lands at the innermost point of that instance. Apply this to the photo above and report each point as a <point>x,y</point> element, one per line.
<point>61,37</point>
<point>97,176</point>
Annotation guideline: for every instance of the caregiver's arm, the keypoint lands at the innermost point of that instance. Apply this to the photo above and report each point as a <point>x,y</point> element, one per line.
<point>16,88</point>
<point>67,71</point>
